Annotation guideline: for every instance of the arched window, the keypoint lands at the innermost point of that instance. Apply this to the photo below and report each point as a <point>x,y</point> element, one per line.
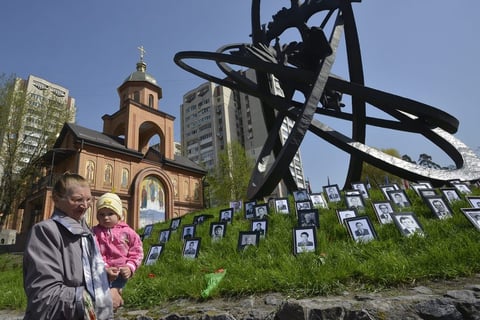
<point>136,96</point>
<point>150,100</point>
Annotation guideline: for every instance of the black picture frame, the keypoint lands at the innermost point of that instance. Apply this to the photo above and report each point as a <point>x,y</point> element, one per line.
<point>362,188</point>
<point>332,193</point>
<point>164,235</point>
<point>191,248</point>
<point>188,231</point>
<point>226,215</point>
<point>474,201</point>
<point>388,187</point>
<point>439,207</point>
<point>318,200</point>
<point>218,230</point>
<point>472,215</point>
<point>451,194</point>
<point>249,210</point>
<point>346,213</point>
<point>360,229</point>
<point>408,224</point>
<point>399,199</point>
<point>300,195</point>
<point>303,205</point>
<point>355,201</point>
<point>304,240</point>
<point>383,211</point>
<point>153,254</point>
<point>147,231</point>
<point>199,219</point>
<point>282,206</point>
<point>236,205</point>
<point>462,188</point>
<point>175,223</point>
<point>309,218</point>
<point>419,186</point>
<point>261,210</point>
<point>246,239</point>
<point>260,226</point>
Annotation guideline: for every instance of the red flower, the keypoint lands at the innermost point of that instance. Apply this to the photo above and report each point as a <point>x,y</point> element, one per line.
<point>151,275</point>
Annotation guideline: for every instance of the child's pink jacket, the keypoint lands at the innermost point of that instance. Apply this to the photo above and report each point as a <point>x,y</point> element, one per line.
<point>119,246</point>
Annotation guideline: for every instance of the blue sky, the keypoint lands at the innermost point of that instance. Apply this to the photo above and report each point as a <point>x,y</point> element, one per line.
<point>425,50</point>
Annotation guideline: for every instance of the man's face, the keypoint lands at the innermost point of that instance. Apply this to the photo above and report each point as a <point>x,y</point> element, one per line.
<point>384,209</point>
<point>359,225</point>
<point>439,206</point>
<point>218,231</point>
<point>408,223</point>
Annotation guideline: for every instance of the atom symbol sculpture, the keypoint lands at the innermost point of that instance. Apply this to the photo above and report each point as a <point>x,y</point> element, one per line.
<point>305,67</point>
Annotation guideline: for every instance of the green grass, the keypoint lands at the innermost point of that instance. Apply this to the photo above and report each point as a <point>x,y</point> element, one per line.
<point>451,248</point>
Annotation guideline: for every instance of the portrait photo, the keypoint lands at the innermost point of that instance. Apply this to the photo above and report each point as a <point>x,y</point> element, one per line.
<point>260,226</point>
<point>303,205</point>
<point>332,193</point>
<point>261,211</point>
<point>343,214</point>
<point>472,215</point>
<point>355,201</point>
<point>153,254</point>
<point>188,231</point>
<point>427,193</point>
<point>249,209</point>
<point>304,240</point>
<point>399,198</point>
<point>175,223</point>
<point>362,188</point>
<point>199,219</point>
<point>281,206</point>
<point>318,200</point>
<point>388,187</point>
<point>308,218</point>
<point>164,235</point>
<point>247,239</point>
<point>300,195</point>
<point>147,231</point>
<point>439,207</point>
<point>236,205</point>
<point>226,215</point>
<point>474,201</point>
<point>408,224</point>
<point>451,194</point>
<point>191,247</point>
<point>462,188</point>
<point>218,230</point>
<point>360,229</point>
<point>383,210</point>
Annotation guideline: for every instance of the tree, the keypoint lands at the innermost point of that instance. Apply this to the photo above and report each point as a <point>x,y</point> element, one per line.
<point>379,176</point>
<point>29,125</point>
<point>229,180</point>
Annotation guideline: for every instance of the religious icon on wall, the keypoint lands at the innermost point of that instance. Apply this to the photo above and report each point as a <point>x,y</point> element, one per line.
<point>152,201</point>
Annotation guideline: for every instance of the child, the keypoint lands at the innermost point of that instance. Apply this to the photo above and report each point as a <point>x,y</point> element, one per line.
<point>119,244</point>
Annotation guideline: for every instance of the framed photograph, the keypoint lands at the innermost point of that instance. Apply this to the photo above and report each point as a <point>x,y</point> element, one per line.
<point>191,247</point>
<point>218,230</point>
<point>355,201</point>
<point>343,214</point>
<point>226,215</point>
<point>281,206</point>
<point>360,229</point>
<point>188,231</point>
<point>300,195</point>
<point>236,205</point>
<point>260,226</point>
<point>451,194</point>
<point>249,209</point>
<point>333,193</point>
<point>439,207</point>
<point>318,200</point>
<point>472,215</point>
<point>388,187</point>
<point>175,223</point>
<point>153,254</point>
<point>261,211</point>
<point>362,188</point>
<point>147,231</point>
<point>383,210</point>
<point>399,198</point>
<point>474,201</point>
<point>247,239</point>
<point>407,223</point>
<point>304,240</point>
<point>303,205</point>
<point>427,193</point>
<point>199,219</point>
<point>462,187</point>
<point>164,235</point>
<point>308,218</point>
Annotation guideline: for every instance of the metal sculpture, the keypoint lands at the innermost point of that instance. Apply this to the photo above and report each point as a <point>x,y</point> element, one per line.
<point>304,67</point>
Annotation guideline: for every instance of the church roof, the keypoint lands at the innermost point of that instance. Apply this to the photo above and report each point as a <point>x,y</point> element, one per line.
<point>141,74</point>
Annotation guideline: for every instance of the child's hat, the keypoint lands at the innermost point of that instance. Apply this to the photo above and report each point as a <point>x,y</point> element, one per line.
<point>111,201</point>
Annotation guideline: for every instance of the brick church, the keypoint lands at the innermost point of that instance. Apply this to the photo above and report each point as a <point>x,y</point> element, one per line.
<point>154,183</point>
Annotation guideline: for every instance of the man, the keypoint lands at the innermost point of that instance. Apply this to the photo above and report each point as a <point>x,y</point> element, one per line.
<point>226,216</point>
<point>259,229</point>
<point>440,209</point>
<point>261,212</point>
<point>333,194</point>
<point>188,233</point>
<point>304,240</point>
<point>190,250</point>
<point>356,203</point>
<point>409,227</point>
<point>384,214</point>
<point>399,201</point>
<point>362,233</point>
<point>217,233</point>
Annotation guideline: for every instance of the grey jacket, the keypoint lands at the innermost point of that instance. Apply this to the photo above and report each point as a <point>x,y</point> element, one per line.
<point>53,271</point>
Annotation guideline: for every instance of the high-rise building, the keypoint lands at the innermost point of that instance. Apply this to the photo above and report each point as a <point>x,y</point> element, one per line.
<point>213,116</point>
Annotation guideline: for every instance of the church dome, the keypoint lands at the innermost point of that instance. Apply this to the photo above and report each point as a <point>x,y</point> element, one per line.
<point>141,74</point>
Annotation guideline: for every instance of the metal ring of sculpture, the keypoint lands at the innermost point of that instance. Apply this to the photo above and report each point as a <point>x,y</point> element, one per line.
<point>305,67</point>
